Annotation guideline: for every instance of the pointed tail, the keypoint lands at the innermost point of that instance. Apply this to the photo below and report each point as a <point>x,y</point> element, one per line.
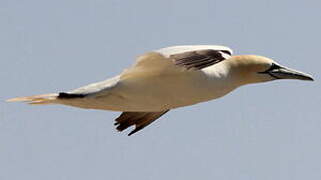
<point>37,99</point>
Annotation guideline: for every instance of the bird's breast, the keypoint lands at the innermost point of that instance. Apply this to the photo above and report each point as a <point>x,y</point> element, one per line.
<point>155,93</point>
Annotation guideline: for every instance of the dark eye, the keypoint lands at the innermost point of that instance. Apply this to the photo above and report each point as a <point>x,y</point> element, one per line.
<point>272,67</point>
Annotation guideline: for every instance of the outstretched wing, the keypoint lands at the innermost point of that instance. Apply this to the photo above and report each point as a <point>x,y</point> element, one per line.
<point>177,59</point>
<point>139,119</point>
<point>199,59</point>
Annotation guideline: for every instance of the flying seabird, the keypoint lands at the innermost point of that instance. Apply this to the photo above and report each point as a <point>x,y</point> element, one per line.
<point>170,78</point>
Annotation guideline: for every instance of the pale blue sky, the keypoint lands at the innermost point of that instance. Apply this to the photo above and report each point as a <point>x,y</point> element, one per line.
<point>265,131</point>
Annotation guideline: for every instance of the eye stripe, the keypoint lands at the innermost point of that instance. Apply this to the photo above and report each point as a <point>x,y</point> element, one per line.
<point>272,67</point>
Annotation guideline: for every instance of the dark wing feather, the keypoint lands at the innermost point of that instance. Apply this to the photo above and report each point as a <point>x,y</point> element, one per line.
<point>139,119</point>
<point>199,59</point>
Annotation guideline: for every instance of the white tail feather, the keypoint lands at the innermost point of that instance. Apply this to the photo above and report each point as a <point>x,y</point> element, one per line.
<point>37,99</point>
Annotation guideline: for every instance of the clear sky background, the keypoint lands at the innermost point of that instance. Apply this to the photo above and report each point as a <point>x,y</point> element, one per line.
<point>268,131</point>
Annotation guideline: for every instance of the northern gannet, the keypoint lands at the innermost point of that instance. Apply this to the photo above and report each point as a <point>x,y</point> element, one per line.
<point>169,78</point>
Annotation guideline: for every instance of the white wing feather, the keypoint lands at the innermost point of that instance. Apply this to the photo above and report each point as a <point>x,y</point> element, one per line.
<point>168,51</point>
<point>157,62</point>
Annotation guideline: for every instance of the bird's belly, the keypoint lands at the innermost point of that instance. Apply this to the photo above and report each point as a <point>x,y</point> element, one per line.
<point>160,93</point>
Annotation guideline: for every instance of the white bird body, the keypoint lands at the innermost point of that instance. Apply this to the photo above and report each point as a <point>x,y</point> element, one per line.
<point>155,84</point>
<point>169,78</point>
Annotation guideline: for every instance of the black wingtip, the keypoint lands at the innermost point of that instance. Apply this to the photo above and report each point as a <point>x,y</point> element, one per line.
<point>131,133</point>
<point>226,52</point>
<point>64,95</point>
<point>138,119</point>
<point>136,130</point>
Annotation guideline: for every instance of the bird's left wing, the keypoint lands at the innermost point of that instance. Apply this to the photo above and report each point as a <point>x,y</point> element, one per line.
<point>177,59</point>
<point>199,59</point>
<point>137,119</point>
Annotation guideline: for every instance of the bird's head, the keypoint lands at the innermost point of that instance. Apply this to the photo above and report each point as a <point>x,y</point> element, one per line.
<point>254,69</point>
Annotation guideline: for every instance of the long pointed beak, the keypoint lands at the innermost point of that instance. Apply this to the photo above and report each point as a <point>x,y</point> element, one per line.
<point>287,73</point>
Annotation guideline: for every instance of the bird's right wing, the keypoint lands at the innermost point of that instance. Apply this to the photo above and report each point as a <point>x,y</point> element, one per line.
<point>139,119</point>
